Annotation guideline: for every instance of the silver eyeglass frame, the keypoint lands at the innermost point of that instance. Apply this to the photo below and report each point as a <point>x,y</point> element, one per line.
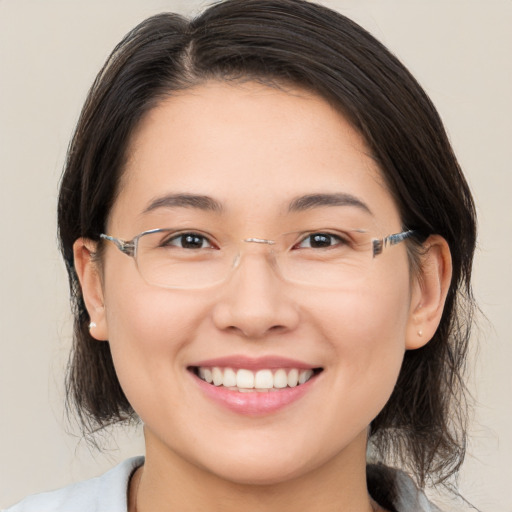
<point>129,247</point>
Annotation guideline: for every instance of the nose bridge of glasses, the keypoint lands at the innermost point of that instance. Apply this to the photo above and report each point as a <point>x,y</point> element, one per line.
<point>259,241</point>
<point>262,247</point>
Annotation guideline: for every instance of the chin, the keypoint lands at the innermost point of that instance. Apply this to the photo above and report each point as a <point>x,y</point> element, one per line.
<point>260,473</point>
<point>264,463</point>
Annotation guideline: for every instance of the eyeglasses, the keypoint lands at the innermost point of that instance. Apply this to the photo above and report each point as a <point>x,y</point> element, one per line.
<point>191,259</point>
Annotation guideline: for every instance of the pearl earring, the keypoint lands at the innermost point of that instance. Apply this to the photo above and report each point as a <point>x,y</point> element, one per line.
<point>92,325</point>
<point>420,333</point>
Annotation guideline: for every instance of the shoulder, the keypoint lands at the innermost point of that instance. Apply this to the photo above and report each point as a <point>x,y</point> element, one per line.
<point>395,490</point>
<point>106,493</point>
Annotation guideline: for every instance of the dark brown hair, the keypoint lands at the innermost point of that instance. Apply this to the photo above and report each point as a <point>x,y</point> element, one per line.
<point>422,427</point>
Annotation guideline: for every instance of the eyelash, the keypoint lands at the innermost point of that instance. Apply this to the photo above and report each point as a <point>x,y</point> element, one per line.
<point>168,241</point>
<point>336,240</point>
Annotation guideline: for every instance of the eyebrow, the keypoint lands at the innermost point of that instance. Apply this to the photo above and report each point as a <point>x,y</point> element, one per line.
<point>318,200</point>
<point>200,202</point>
<point>298,204</point>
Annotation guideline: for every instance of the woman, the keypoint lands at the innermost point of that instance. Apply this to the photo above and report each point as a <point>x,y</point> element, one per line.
<point>269,244</point>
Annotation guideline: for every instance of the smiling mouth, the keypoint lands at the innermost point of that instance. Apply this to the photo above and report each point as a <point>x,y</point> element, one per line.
<point>247,381</point>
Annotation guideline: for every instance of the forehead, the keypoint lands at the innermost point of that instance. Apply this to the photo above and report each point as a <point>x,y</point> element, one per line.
<point>249,146</point>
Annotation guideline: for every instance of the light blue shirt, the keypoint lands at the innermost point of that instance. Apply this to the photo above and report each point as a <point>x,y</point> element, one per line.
<point>108,493</point>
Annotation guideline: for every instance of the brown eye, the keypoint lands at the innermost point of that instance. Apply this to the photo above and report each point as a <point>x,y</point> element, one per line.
<point>320,241</point>
<point>188,241</point>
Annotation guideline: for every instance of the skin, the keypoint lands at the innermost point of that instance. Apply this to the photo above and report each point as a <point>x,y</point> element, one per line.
<point>253,149</point>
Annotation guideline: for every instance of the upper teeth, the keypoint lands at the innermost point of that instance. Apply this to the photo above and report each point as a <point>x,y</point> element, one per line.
<point>261,379</point>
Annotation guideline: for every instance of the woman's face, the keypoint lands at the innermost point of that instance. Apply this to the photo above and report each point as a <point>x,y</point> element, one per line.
<point>254,150</point>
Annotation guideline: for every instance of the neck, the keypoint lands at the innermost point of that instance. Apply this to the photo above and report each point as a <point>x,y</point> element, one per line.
<point>167,482</point>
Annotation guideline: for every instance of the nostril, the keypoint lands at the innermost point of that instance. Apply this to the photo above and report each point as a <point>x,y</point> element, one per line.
<point>277,328</point>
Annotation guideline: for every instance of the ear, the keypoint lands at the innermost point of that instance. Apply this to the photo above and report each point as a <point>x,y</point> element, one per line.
<point>89,275</point>
<point>429,291</point>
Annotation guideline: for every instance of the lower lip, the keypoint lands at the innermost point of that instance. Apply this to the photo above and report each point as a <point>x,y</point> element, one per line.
<point>254,403</point>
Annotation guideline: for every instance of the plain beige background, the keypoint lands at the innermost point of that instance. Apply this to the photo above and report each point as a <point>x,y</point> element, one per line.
<point>50,51</point>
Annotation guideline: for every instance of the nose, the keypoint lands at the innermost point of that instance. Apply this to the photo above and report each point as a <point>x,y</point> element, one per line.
<point>254,302</point>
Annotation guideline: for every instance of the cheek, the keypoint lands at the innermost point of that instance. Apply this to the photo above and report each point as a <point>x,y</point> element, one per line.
<point>373,316</point>
<point>366,333</point>
<point>148,328</point>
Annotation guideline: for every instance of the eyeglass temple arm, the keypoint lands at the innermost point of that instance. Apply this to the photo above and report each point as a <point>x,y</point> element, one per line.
<point>125,247</point>
<point>380,244</point>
